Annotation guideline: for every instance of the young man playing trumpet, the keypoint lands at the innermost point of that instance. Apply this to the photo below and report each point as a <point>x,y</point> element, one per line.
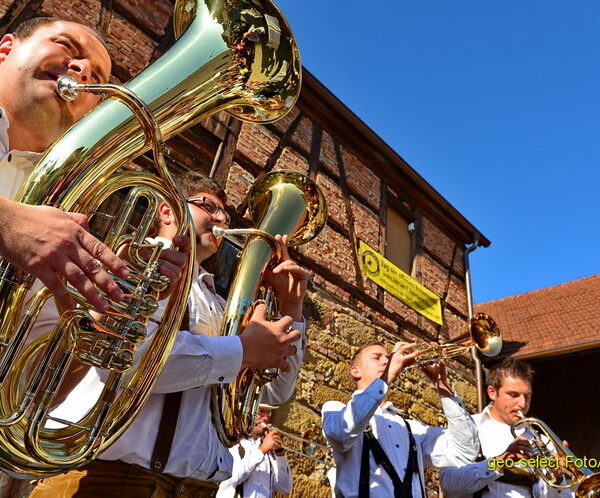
<point>260,465</point>
<point>509,389</point>
<point>172,448</point>
<point>377,452</point>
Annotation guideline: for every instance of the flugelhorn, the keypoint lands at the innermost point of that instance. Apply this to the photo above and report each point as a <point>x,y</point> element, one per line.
<point>309,444</point>
<point>483,333</point>
<point>231,55</point>
<point>583,482</point>
<point>280,202</point>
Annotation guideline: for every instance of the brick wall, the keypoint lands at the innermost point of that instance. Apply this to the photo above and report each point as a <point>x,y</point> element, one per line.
<point>345,310</point>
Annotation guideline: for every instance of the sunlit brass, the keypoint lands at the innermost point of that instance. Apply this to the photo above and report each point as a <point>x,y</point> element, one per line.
<point>483,333</point>
<point>580,479</point>
<point>309,444</point>
<point>231,55</point>
<point>280,202</point>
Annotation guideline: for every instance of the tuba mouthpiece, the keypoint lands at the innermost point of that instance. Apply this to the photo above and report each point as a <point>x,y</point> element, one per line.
<point>67,88</point>
<point>219,231</point>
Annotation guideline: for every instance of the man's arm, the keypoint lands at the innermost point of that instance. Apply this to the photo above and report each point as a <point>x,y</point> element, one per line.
<point>282,478</point>
<point>457,445</point>
<point>196,360</point>
<point>468,479</point>
<point>473,477</point>
<point>244,465</point>
<point>51,244</point>
<point>343,424</point>
<point>282,388</point>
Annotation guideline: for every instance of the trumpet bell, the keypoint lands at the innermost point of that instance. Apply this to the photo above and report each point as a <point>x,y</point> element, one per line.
<point>486,334</point>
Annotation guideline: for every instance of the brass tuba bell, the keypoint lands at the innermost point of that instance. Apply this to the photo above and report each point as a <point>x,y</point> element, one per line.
<point>238,56</point>
<point>280,202</point>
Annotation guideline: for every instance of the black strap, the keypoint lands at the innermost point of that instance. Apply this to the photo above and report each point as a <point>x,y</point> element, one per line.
<point>168,419</point>
<point>402,489</point>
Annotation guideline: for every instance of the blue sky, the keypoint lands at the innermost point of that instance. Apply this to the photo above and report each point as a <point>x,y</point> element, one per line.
<point>495,104</point>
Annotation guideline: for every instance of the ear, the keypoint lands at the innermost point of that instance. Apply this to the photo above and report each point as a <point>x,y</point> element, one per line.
<point>6,45</point>
<point>491,391</point>
<point>165,214</point>
<point>355,372</point>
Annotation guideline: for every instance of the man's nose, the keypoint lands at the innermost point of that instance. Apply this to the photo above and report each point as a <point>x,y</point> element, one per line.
<point>81,70</point>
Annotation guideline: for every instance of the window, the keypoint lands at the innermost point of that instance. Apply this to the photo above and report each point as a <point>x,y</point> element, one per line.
<point>399,239</point>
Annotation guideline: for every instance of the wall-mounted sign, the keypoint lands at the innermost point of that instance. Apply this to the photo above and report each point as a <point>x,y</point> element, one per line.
<point>386,274</point>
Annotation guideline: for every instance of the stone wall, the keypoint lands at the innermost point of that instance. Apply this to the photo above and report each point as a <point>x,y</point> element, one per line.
<point>344,309</point>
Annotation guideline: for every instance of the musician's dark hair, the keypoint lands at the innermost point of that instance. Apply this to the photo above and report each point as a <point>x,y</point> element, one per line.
<point>509,367</point>
<point>192,182</point>
<point>28,27</point>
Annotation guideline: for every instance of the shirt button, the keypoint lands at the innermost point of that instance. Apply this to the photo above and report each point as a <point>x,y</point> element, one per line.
<point>9,157</point>
<point>221,379</point>
<point>380,392</point>
<point>389,426</point>
<point>397,446</point>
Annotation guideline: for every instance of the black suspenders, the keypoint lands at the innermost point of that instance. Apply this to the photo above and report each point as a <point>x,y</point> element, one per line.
<point>402,489</point>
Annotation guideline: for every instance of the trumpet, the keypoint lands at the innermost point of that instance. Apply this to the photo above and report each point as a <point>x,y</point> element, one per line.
<point>581,480</point>
<point>483,333</point>
<point>309,444</point>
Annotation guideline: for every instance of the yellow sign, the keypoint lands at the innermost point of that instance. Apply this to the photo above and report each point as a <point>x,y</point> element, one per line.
<point>386,274</point>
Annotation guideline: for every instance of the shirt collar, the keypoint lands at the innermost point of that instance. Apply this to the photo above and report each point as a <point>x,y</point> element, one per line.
<point>5,146</point>
<point>4,124</point>
<point>208,279</point>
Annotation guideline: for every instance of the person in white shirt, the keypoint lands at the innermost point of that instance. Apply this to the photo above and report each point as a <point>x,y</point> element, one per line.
<point>509,389</point>
<point>377,452</point>
<point>172,444</point>
<point>260,465</point>
<point>42,240</point>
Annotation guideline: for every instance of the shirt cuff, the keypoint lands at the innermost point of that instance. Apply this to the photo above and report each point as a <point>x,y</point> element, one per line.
<point>376,390</point>
<point>453,407</point>
<point>227,354</point>
<point>482,471</point>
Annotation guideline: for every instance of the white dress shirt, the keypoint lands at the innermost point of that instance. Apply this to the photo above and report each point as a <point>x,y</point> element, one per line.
<point>195,362</point>
<point>15,165</point>
<point>344,424</point>
<point>260,473</point>
<point>495,437</point>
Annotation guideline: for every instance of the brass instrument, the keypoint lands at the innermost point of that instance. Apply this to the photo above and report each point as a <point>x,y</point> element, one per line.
<point>483,333</point>
<point>310,444</point>
<point>581,480</point>
<point>280,202</point>
<point>238,56</point>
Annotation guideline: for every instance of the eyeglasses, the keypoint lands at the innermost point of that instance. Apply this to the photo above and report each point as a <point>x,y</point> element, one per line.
<point>211,208</point>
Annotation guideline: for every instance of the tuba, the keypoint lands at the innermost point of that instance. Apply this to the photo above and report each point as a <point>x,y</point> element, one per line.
<point>238,56</point>
<point>280,202</point>
<point>579,478</point>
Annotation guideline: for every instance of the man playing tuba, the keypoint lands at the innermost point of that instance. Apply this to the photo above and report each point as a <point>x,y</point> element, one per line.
<point>172,445</point>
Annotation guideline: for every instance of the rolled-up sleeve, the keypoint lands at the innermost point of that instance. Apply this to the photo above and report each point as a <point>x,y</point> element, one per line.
<point>343,424</point>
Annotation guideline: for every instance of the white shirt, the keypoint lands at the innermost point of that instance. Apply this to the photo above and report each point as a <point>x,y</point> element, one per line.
<point>195,362</point>
<point>343,425</point>
<point>260,473</point>
<point>494,436</point>
<point>15,165</point>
